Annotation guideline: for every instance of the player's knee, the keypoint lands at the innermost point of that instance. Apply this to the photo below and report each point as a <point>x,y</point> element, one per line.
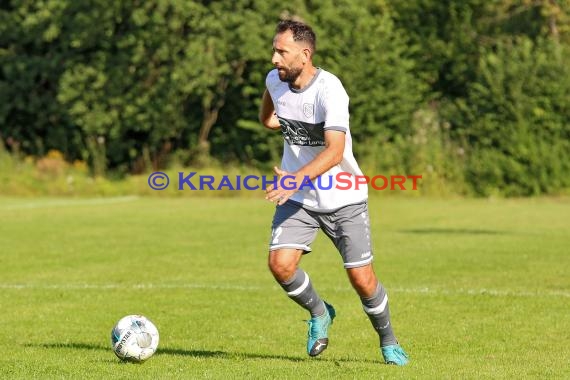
<point>363,281</point>
<point>281,267</point>
<point>361,286</point>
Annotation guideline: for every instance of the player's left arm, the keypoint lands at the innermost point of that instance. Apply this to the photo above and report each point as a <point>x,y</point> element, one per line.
<point>267,115</point>
<point>325,160</point>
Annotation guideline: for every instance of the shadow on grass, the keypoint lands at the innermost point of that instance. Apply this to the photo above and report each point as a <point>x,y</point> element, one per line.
<point>160,351</point>
<point>452,231</point>
<point>217,354</point>
<point>74,346</point>
<point>249,355</point>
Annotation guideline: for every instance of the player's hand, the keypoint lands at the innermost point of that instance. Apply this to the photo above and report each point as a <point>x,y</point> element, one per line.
<point>273,122</point>
<point>276,194</point>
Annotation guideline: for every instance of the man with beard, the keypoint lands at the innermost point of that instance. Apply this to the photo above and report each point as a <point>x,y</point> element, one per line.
<point>310,106</point>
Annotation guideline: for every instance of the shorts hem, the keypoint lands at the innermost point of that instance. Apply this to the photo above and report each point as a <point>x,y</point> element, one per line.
<point>304,247</point>
<point>358,264</point>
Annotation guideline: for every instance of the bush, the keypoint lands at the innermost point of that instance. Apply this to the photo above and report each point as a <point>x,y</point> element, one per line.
<point>515,119</point>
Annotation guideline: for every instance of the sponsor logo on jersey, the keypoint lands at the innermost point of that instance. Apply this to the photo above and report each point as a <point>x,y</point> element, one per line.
<point>300,133</point>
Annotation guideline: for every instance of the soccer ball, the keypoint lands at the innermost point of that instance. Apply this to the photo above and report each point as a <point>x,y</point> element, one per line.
<point>134,338</point>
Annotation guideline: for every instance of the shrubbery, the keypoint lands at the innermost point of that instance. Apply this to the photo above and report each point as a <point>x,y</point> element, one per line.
<point>473,95</point>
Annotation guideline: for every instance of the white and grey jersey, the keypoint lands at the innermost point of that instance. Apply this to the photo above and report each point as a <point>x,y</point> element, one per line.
<point>305,115</point>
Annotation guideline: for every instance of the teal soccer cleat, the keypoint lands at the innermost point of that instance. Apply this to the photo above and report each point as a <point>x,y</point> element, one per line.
<point>318,331</point>
<point>395,355</point>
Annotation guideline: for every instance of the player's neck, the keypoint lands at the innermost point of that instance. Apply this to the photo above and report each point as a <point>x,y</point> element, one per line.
<point>304,78</point>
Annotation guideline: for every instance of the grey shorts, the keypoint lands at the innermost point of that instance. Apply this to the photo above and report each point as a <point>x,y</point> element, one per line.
<point>348,228</point>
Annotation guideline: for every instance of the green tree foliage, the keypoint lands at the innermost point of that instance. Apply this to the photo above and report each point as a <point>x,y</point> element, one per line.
<point>30,67</point>
<point>471,91</point>
<point>497,74</point>
<point>372,58</point>
<point>516,118</point>
<point>134,81</point>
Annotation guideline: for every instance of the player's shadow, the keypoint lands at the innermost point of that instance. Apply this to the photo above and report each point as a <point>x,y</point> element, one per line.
<point>249,355</point>
<point>223,354</point>
<point>217,354</point>
<point>193,353</point>
<point>452,231</point>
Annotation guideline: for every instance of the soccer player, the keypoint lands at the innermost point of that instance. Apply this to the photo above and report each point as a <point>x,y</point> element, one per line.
<point>310,106</point>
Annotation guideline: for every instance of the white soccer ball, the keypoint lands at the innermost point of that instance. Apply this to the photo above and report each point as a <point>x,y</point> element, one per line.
<point>134,338</point>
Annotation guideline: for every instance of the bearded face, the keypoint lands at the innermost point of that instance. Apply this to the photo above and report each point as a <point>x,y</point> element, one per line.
<point>288,57</point>
<point>289,75</point>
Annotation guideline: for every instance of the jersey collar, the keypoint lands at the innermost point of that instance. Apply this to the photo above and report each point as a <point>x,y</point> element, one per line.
<point>298,91</point>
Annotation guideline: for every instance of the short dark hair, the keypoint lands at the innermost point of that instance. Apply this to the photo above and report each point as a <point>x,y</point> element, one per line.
<point>301,32</point>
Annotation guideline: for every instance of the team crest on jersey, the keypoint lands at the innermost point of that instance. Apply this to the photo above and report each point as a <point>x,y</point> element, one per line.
<point>308,110</point>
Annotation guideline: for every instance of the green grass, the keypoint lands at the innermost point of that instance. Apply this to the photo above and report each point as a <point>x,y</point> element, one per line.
<point>478,289</point>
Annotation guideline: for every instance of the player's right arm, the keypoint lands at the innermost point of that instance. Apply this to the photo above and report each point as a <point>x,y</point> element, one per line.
<point>267,115</point>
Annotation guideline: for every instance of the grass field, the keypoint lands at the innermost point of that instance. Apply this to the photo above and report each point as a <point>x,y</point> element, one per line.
<point>478,289</point>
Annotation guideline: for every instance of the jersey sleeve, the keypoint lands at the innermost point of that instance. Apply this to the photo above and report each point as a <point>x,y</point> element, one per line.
<point>272,81</point>
<point>335,106</point>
